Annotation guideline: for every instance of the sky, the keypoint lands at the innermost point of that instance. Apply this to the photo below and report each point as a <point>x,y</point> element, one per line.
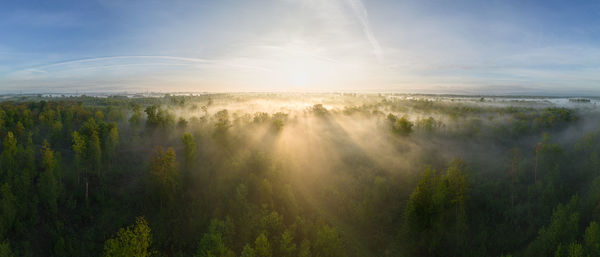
<point>422,46</point>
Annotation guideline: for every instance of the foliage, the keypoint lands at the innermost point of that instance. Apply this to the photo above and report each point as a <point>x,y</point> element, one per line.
<point>133,241</point>
<point>263,175</point>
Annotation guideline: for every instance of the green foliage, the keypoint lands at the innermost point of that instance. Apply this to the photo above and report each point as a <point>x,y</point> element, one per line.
<point>429,125</point>
<point>333,181</point>
<point>182,123</point>
<point>8,209</point>
<point>262,247</point>
<point>189,150</point>
<point>435,213</point>
<point>157,117</point>
<point>8,156</point>
<point>562,228</point>
<point>93,153</point>
<point>278,120</point>
<point>400,126</point>
<point>304,250</point>
<point>48,184</point>
<point>261,117</point>
<point>328,243</point>
<point>109,134</point>
<point>319,110</point>
<point>248,251</point>
<point>136,116</point>
<point>571,250</point>
<point>591,239</point>
<point>133,241</point>
<point>163,169</point>
<point>287,247</point>
<point>5,250</point>
<point>552,117</point>
<point>213,242</point>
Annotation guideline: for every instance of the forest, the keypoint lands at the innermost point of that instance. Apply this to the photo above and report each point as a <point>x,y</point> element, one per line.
<point>299,174</point>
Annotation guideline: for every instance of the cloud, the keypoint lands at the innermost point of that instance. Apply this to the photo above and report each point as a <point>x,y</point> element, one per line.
<point>361,14</point>
<point>99,63</point>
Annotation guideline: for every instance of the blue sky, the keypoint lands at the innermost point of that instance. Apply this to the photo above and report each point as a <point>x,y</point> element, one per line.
<point>479,47</point>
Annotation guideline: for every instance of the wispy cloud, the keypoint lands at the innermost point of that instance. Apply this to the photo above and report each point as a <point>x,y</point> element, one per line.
<point>99,63</point>
<point>362,15</point>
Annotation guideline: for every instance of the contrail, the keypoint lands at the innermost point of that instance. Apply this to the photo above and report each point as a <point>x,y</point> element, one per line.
<point>361,14</point>
<point>42,68</point>
<point>108,58</point>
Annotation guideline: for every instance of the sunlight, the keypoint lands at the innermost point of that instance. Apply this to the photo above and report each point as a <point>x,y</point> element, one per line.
<point>302,65</point>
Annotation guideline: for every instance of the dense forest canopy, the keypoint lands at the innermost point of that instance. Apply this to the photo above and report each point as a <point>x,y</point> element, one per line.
<point>337,174</point>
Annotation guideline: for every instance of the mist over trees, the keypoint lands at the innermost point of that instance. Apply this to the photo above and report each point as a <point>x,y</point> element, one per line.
<point>299,175</point>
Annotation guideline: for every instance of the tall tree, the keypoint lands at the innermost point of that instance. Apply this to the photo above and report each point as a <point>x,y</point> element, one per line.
<point>8,157</point>
<point>287,247</point>
<point>8,210</point>
<point>328,243</point>
<point>165,176</point>
<point>132,241</point>
<point>213,243</point>
<point>109,134</point>
<point>48,184</point>
<point>262,247</point>
<point>436,207</point>
<point>591,238</point>
<point>79,150</point>
<point>189,151</point>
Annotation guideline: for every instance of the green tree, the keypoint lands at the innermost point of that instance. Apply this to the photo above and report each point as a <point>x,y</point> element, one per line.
<point>319,110</point>
<point>328,243</point>
<point>109,140</point>
<point>93,152</point>
<point>79,159</point>
<point>213,245</point>
<point>591,239</point>
<point>262,247</point>
<point>152,120</point>
<point>136,116</point>
<point>562,228</point>
<point>457,193</point>
<point>5,250</point>
<point>420,214</point>
<point>8,157</point>
<point>435,215</point>
<point>8,210</point>
<point>189,151</point>
<point>304,250</point>
<point>163,170</point>
<point>287,247</point>
<point>572,250</point>
<point>248,251</point>
<point>278,120</point>
<point>48,184</point>
<point>575,250</point>
<point>222,123</point>
<point>133,241</point>
<point>182,123</point>
<point>403,126</point>
<point>88,137</point>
